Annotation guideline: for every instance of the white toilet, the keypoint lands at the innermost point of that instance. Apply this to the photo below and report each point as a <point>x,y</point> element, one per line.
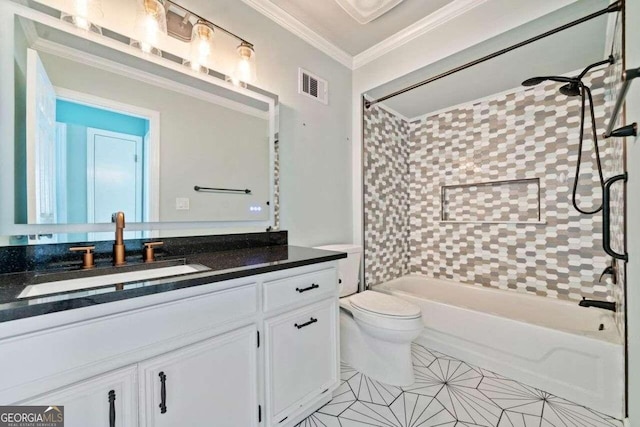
<point>376,329</point>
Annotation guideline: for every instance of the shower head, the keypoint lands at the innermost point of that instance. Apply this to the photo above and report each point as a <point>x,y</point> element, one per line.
<point>533,81</point>
<point>571,89</point>
<point>574,84</point>
<point>537,80</point>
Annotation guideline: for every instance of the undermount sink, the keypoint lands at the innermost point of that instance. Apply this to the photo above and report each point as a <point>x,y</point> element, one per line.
<point>49,288</point>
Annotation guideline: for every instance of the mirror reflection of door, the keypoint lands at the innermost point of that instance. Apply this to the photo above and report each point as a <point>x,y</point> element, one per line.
<point>41,143</point>
<point>107,161</point>
<point>86,157</point>
<point>114,175</point>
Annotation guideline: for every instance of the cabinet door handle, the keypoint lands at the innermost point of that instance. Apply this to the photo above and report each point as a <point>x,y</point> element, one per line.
<point>310,322</point>
<point>310,288</point>
<point>112,408</point>
<point>163,393</point>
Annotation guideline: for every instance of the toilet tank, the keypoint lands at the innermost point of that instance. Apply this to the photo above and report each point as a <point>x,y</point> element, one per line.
<point>348,268</point>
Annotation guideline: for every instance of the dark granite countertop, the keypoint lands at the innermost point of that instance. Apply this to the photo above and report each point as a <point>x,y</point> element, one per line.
<point>222,265</point>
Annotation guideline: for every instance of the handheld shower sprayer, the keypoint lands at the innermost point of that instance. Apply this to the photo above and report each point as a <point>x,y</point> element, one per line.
<point>575,87</point>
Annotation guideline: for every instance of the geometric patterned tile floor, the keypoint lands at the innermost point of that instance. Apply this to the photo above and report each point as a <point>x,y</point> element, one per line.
<point>448,393</point>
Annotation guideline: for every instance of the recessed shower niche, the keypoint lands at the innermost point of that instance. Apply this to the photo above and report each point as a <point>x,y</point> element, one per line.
<point>509,201</point>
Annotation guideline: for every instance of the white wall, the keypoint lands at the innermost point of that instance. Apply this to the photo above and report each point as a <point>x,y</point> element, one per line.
<point>633,214</point>
<point>315,150</point>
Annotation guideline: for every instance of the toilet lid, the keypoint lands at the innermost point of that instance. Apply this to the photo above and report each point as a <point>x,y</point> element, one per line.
<point>388,305</point>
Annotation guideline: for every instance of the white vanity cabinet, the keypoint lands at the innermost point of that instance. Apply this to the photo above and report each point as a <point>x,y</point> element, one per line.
<point>301,342</point>
<point>108,400</point>
<point>301,358</point>
<point>248,352</point>
<point>210,383</point>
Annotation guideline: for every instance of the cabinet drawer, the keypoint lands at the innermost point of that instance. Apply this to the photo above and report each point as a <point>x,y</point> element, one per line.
<point>300,289</point>
<point>302,358</point>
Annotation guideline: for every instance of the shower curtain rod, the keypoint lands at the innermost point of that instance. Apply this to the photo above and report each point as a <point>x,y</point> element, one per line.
<point>613,7</point>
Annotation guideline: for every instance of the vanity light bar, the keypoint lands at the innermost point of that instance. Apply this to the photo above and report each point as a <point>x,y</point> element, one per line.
<point>157,18</point>
<point>179,25</point>
<point>188,14</point>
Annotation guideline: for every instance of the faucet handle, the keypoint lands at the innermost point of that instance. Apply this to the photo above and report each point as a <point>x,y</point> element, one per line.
<point>149,251</point>
<point>612,270</point>
<point>87,257</point>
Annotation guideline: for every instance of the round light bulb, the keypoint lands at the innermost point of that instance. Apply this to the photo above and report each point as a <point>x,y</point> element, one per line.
<point>151,29</point>
<point>151,22</point>
<point>245,70</point>
<point>81,7</point>
<point>202,47</point>
<point>146,47</point>
<point>82,23</point>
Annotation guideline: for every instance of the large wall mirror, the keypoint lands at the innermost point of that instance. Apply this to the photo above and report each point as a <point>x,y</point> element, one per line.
<point>90,126</point>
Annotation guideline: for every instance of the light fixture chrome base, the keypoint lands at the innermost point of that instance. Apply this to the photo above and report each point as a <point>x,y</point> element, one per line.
<point>179,26</point>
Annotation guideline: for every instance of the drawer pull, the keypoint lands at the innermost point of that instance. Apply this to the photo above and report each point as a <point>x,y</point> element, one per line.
<point>112,408</point>
<point>310,288</point>
<point>310,322</point>
<point>163,393</point>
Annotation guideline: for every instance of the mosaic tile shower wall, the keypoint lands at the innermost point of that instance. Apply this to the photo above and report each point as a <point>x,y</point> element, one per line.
<point>386,196</point>
<point>276,186</point>
<point>527,133</point>
<point>514,201</point>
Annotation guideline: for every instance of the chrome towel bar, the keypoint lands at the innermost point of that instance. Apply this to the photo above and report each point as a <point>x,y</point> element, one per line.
<point>221,190</point>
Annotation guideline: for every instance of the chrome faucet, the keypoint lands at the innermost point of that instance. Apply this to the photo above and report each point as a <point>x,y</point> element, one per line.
<point>118,247</point>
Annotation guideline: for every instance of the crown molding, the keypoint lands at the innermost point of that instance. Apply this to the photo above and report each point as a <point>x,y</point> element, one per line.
<point>415,30</point>
<point>285,20</point>
<point>428,23</point>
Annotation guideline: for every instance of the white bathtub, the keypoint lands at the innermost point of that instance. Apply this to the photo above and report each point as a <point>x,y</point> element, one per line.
<point>549,344</point>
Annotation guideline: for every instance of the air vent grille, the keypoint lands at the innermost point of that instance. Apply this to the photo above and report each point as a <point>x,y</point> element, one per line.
<point>313,86</point>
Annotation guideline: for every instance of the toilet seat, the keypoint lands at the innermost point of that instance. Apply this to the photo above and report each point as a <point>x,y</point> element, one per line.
<point>384,305</point>
<point>408,317</point>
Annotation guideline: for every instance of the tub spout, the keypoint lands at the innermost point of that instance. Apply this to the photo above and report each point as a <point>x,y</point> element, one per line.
<point>598,304</point>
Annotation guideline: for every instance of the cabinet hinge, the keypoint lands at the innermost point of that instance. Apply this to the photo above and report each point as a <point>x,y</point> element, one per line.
<point>259,413</point>
<point>258,339</point>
